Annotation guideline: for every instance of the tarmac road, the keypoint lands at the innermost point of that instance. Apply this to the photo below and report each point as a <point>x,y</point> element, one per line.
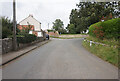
<point>60,59</point>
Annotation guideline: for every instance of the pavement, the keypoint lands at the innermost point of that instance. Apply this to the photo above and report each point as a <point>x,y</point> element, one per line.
<point>8,57</point>
<point>60,59</point>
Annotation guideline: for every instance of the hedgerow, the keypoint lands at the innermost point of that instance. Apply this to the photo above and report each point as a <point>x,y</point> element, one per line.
<point>28,38</point>
<point>110,29</point>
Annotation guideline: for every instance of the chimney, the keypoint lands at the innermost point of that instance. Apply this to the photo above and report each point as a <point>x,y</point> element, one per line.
<point>30,15</point>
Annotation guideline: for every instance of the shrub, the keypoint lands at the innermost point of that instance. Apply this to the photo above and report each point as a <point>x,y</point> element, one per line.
<point>28,38</point>
<point>11,36</point>
<point>98,31</point>
<point>110,28</point>
<point>92,28</point>
<point>6,32</point>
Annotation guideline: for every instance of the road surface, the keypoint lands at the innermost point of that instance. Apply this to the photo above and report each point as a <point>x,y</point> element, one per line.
<point>60,59</point>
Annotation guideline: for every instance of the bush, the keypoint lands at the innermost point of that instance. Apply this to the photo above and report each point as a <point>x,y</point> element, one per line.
<point>92,28</point>
<point>6,32</point>
<point>110,28</point>
<point>28,38</point>
<point>11,36</point>
<point>98,31</point>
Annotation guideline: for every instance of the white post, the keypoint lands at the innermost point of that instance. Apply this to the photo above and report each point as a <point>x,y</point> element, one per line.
<point>90,43</point>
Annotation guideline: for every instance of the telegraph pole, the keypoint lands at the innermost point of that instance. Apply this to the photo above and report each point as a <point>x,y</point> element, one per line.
<point>14,27</point>
<point>48,25</point>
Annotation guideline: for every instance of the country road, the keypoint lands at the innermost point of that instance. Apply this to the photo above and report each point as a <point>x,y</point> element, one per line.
<point>60,59</point>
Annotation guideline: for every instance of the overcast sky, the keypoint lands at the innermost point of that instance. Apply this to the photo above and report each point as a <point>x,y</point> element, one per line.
<point>45,11</point>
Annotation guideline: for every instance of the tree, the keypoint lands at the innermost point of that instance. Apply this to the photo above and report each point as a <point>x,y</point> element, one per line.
<point>58,25</point>
<point>7,27</point>
<point>71,28</point>
<point>7,23</point>
<point>91,12</point>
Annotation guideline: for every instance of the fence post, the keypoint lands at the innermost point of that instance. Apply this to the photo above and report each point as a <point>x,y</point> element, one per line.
<point>90,43</point>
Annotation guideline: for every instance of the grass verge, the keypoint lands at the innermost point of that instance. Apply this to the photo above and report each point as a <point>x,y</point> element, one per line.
<point>64,37</point>
<point>109,54</point>
<point>74,34</point>
<point>110,42</point>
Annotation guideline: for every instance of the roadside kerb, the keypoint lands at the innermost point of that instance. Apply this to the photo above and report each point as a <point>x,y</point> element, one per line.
<point>23,53</point>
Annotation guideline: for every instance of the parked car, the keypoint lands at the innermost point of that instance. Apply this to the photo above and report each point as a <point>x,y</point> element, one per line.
<point>47,36</point>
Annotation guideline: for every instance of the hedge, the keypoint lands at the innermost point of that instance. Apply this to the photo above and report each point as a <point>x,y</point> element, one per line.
<point>28,38</point>
<point>111,28</point>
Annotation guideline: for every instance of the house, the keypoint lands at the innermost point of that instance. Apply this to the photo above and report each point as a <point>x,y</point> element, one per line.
<point>35,25</point>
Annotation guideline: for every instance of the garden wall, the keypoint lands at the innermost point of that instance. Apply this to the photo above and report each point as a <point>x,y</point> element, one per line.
<point>0,46</point>
<point>39,39</point>
<point>7,44</point>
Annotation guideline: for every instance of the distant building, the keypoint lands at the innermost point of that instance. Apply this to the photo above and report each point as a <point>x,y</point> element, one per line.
<point>85,32</point>
<point>35,25</point>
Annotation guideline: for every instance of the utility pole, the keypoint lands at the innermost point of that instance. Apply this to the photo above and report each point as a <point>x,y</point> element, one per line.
<point>14,27</point>
<point>48,25</point>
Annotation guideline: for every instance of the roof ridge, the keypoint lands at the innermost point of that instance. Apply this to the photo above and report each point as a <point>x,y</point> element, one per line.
<point>28,17</point>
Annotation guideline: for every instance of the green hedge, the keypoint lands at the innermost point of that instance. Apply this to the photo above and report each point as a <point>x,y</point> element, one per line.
<point>111,28</point>
<point>92,28</point>
<point>27,38</point>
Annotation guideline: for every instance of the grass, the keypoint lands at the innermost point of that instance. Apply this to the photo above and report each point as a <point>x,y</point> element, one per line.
<point>73,34</point>
<point>111,42</point>
<point>64,37</point>
<point>106,53</point>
